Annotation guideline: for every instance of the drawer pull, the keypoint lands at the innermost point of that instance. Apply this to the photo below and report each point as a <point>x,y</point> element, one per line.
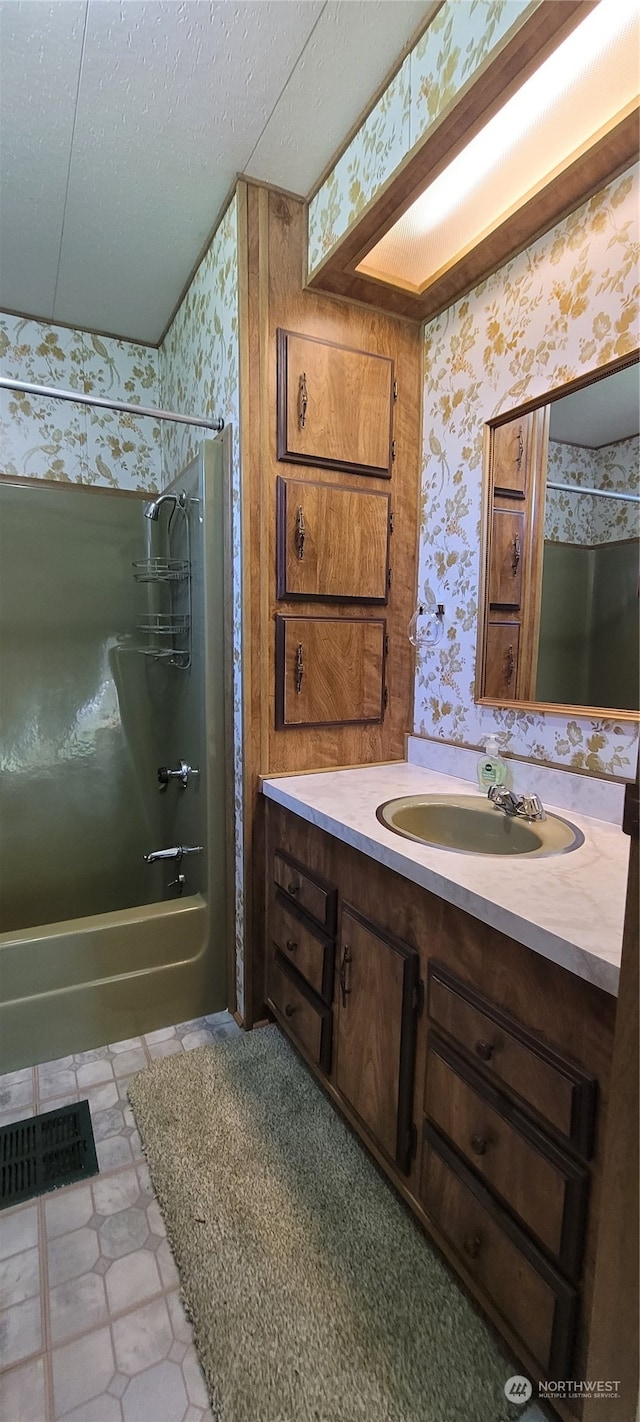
<point>471,1245</point>
<point>291,945</point>
<point>484,1050</point>
<point>478,1145</point>
<point>293,889</point>
<point>289,1010</point>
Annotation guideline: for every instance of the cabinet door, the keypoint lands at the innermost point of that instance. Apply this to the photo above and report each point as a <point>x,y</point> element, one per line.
<point>501,662</point>
<point>507,548</point>
<point>334,405</point>
<point>329,670</point>
<point>512,448</point>
<point>376,1031</point>
<point>331,542</point>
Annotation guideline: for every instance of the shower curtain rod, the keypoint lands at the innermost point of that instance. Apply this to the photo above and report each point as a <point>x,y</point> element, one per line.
<point>77,398</point>
<point>597,493</point>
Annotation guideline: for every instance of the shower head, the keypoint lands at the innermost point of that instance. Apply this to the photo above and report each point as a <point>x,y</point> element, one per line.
<point>152,509</point>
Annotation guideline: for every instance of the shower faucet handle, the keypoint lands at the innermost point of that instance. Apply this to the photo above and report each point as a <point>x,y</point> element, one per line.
<point>184,773</point>
<point>177,851</point>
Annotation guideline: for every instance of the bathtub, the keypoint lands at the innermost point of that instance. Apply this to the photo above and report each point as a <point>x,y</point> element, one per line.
<point>70,986</point>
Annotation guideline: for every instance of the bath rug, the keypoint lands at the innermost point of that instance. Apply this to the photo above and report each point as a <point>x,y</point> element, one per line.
<point>313,1293</point>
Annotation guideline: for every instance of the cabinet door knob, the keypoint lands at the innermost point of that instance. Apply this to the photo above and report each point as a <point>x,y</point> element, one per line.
<point>484,1050</point>
<point>471,1245</point>
<point>478,1144</point>
<point>293,889</point>
<point>291,945</point>
<point>289,1010</point>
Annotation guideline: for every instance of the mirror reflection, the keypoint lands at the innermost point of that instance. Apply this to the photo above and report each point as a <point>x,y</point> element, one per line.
<point>562,607</point>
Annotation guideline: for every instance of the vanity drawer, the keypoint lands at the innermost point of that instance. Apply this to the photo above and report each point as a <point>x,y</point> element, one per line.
<point>309,1022</point>
<point>317,898</point>
<point>552,1086</point>
<point>312,955</point>
<point>540,1184</point>
<point>533,1299</point>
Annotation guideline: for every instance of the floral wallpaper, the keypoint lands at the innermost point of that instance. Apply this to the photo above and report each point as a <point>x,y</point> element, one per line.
<point>52,439</point>
<point>455,44</point>
<point>573,517</point>
<point>563,307</point>
<point>199,365</point>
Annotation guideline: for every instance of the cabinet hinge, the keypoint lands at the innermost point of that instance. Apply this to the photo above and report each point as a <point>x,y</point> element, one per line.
<point>413,1140</point>
<point>395,389</point>
<point>385,697</point>
<point>393,449</point>
<point>388,577</point>
<point>418,997</point>
<point>386,645</point>
<point>391,522</point>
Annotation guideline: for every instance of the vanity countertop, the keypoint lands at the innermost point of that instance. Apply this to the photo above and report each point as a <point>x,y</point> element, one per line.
<point>569,908</point>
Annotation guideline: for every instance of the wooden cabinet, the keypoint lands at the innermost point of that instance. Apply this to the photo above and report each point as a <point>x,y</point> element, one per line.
<point>513,541</point>
<point>501,662</point>
<point>332,542</point>
<point>560,1094</point>
<point>375,1046</point>
<point>487,1109</point>
<point>305,948</point>
<point>308,1020</point>
<point>329,671</point>
<point>507,547</point>
<point>512,447</point>
<point>531,1296</point>
<point>543,1186</point>
<point>334,405</point>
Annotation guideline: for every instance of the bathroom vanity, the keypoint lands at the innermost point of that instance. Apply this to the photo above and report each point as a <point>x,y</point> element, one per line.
<point>460,1013</point>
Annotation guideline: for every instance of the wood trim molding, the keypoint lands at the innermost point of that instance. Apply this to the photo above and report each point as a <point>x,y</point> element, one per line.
<point>582,175</point>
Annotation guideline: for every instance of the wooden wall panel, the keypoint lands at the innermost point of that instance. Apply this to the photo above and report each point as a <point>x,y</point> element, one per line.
<point>271,297</point>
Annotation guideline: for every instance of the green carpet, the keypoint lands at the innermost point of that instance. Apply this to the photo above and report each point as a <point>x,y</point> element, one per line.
<point>314,1295</point>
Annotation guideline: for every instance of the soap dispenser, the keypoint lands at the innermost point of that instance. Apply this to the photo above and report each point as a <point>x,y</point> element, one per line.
<point>492,769</point>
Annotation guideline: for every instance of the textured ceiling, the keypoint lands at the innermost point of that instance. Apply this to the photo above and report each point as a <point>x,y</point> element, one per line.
<point>123,125</point>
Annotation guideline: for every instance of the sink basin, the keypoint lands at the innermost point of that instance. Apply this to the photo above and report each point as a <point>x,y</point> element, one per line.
<point>469,824</point>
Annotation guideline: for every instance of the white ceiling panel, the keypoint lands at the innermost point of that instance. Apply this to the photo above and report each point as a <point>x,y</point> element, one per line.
<point>349,54</point>
<point>125,122</point>
<point>39,69</point>
<point>172,98</point>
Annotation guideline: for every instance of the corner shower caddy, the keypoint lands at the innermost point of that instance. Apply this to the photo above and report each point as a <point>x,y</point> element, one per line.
<point>168,630</point>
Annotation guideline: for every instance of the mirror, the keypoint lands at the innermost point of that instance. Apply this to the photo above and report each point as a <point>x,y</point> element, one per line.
<point>560,605</point>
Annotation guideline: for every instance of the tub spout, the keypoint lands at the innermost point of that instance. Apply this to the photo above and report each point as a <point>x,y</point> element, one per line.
<point>176,852</point>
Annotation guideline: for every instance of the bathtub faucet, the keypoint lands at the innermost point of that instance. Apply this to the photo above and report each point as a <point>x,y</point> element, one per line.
<point>177,852</point>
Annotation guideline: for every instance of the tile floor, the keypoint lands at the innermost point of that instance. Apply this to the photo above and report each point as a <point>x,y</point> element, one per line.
<point>92,1328</point>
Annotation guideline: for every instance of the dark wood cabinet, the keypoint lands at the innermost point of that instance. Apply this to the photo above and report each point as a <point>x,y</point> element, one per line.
<point>332,542</point>
<point>512,444</point>
<point>487,1110</point>
<point>507,550</point>
<point>513,540</point>
<point>553,1086</point>
<point>501,659</point>
<point>543,1186</point>
<point>375,1042</point>
<point>334,405</point>
<point>329,671</point>
<point>532,1297</point>
<point>307,1019</point>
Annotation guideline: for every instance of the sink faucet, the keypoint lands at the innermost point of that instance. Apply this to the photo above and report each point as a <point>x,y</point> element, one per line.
<point>527,807</point>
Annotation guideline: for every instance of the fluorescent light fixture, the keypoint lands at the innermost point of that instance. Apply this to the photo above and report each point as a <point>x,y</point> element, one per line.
<point>580,90</point>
